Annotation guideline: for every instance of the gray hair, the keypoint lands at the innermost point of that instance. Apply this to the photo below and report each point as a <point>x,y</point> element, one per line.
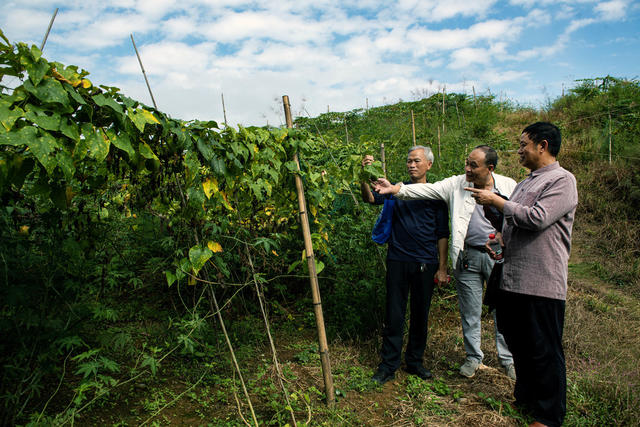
<point>427,151</point>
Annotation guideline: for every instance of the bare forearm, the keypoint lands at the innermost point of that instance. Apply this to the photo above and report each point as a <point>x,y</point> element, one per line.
<point>365,190</point>
<point>443,246</point>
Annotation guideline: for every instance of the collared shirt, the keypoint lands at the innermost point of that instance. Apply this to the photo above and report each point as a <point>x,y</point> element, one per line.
<point>537,233</point>
<point>416,227</point>
<point>461,204</point>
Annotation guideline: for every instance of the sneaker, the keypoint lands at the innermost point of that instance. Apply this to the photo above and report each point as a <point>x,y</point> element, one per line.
<point>469,368</point>
<point>419,371</point>
<point>382,376</point>
<point>511,371</point>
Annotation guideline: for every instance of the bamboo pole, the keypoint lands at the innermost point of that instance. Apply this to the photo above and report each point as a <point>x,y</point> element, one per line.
<point>610,135</point>
<point>444,96</point>
<point>46,35</point>
<point>474,98</point>
<point>346,130</point>
<point>413,129</point>
<point>313,275</point>
<point>382,158</point>
<point>224,110</point>
<point>274,353</point>
<point>215,308</point>
<point>143,72</point>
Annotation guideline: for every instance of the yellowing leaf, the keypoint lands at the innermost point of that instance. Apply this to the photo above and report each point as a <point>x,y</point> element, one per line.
<point>210,186</point>
<point>59,76</point>
<point>24,229</point>
<point>149,117</point>
<point>191,281</point>
<point>226,201</point>
<point>314,211</point>
<point>86,83</point>
<point>214,246</point>
<point>274,252</point>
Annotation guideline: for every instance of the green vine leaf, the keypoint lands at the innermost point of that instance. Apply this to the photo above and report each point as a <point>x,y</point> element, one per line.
<point>97,144</point>
<point>48,91</point>
<point>198,257</point>
<point>43,148</point>
<point>8,116</point>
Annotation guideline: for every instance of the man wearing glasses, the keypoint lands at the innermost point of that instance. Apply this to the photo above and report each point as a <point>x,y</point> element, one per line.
<point>538,221</point>
<point>470,231</point>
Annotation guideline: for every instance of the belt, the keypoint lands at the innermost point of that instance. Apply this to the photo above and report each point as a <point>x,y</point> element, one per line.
<point>477,248</point>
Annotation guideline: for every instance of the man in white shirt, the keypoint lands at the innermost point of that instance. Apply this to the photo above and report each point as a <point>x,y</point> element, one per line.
<point>470,231</point>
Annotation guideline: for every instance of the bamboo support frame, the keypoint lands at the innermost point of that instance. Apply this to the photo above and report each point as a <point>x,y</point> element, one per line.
<point>224,110</point>
<point>46,35</point>
<point>382,158</point>
<point>313,275</point>
<point>413,129</point>
<point>144,73</point>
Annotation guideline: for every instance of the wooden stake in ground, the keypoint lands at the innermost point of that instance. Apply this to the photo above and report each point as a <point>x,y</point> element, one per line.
<point>46,35</point>
<point>313,275</point>
<point>382,158</point>
<point>144,73</point>
<point>444,96</point>
<point>224,110</point>
<point>413,129</point>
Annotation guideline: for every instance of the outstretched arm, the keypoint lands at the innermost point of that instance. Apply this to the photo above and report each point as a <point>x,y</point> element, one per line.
<point>383,186</point>
<point>365,188</point>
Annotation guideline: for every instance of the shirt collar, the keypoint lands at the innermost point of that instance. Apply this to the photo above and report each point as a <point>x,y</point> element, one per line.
<point>553,166</point>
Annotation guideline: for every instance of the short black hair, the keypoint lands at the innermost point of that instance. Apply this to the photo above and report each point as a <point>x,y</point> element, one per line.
<point>540,131</point>
<point>490,155</point>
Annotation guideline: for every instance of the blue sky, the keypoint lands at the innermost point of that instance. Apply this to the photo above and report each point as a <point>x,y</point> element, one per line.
<point>330,54</point>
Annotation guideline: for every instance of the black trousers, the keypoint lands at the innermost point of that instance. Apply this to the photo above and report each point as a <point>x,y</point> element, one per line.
<point>402,278</point>
<point>532,327</point>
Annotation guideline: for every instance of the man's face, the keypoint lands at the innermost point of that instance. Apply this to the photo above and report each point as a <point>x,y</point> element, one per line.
<point>475,169</point>
<point>417,165</point>
<point>528,152</point>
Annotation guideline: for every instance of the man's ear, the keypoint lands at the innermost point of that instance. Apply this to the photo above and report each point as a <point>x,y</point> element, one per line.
<point>544,144</point>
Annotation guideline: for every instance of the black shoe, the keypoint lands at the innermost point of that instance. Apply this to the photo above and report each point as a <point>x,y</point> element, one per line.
<point>383,376</point>
<point>419,371</point>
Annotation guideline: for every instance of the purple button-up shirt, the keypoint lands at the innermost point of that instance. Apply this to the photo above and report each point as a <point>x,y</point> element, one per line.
<point>537,233</point>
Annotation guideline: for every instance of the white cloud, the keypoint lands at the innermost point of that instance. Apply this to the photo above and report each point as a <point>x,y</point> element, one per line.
<point>612,10</point>
<point>331,53</point>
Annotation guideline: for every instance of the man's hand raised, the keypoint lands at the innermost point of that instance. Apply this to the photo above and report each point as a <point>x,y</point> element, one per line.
<point>382,186</point>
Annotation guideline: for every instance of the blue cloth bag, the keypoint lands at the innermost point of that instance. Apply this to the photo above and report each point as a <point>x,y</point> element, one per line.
<point>382,230</point>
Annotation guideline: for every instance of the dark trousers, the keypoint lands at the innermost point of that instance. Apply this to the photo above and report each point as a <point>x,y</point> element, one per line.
<point>532,327</point>
<point>402,278</point>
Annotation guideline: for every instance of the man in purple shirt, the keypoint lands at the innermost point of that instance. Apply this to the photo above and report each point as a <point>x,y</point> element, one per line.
<point>538,220</point>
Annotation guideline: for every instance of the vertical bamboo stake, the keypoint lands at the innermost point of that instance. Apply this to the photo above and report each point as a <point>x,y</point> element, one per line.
<point>457,114</point>
<point>224,110</point>
<point>384,163</point>
<point>439,153</point>
<point>413,129</point>
<point>346,130</point>
<point>313,275</point>
<point>367,101</point>
<point>143,72</point>
<point>609,134</point>
<point>444,95</point>
<point>474,99</point>
<point>46,35</point>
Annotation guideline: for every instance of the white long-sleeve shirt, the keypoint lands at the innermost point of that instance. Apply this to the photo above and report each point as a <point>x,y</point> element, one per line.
<point>461,204</point>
